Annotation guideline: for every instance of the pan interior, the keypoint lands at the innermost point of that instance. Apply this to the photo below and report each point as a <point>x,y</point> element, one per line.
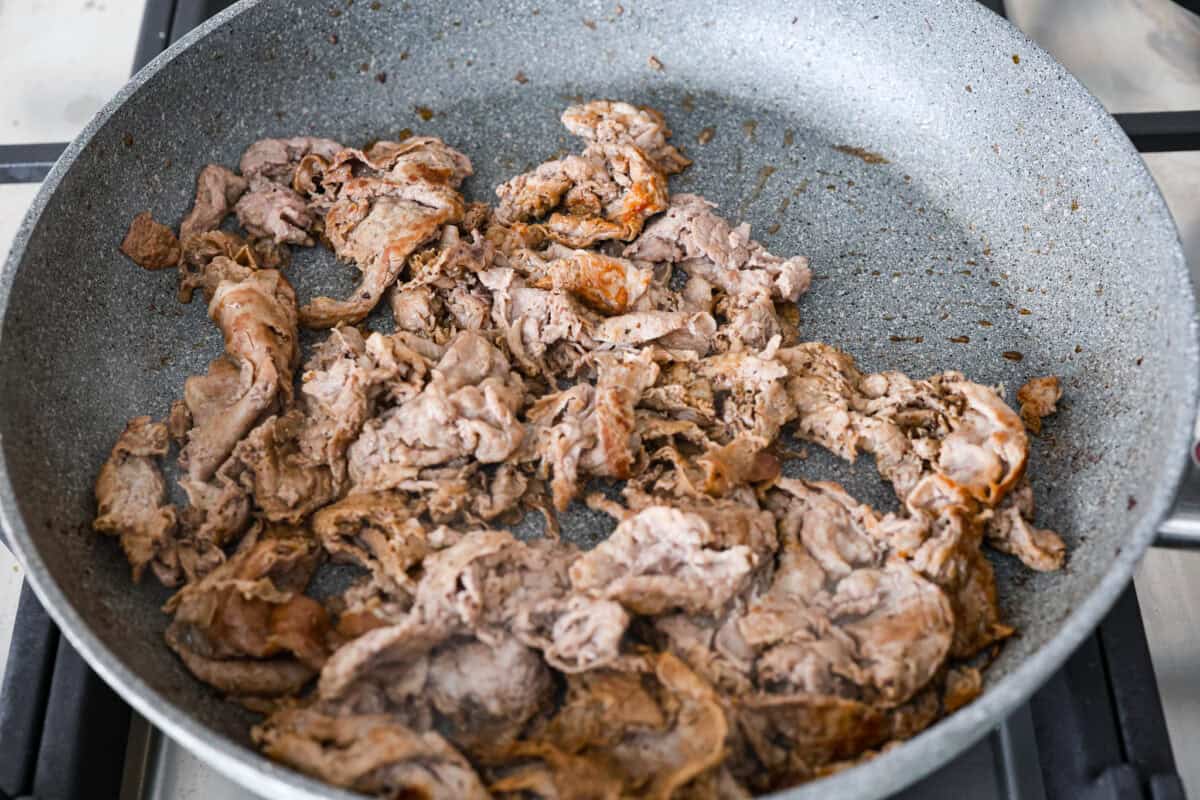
<point>961,211</point>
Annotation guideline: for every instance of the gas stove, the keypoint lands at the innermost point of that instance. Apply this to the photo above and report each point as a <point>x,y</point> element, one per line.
<point>1096,730</point>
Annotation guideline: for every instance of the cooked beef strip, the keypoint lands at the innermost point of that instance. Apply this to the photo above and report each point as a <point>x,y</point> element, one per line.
<point>1010,531</point>
<point>739,630</point>
<point>370,753</point>
<point>246,627</point>
<point>150,244</point>
<point>648,728</point>
<point>131,502</point>
<point>589,430</point>
<point>389,201</point>
<point>257,316</point>
<point>277,159</point>
<point>662,558</point>
<point>1038,398</point>
<point>467,409</point>
<point>286,485</point>
<point>217,191</point>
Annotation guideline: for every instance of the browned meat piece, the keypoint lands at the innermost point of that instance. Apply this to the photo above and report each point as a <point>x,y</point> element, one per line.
<point>608,192</point>
<point>590,430</point>
<point>583,180</point>
<point>903,626</point>
<point>467,409</point>
<point>271,210</point>
<point>379,531</point>
<point>485,693</point>
<point>959,430</point>
<point>131,501</point>
<point>575,634</point>
<point>543,330</point>
<point>250,613</point>
<point>217,190</point>
<point>276,159</point>
<point>606,284</point>
<point>792,735</point>
<point>617,122</point>
<point>405,195</point>
<point>1009,531</point>
<point>675,330</point>
<point>647,730</point>
<point>342,383</point>
<point>661,559</point>
<point>644,195</point>
<point>257,316</point>
<point>199,269</point>
<point>1039,398</point>
<point>370,753</point>
<point>691,235</point>
<point>150,244</point>
<point>286,485</point>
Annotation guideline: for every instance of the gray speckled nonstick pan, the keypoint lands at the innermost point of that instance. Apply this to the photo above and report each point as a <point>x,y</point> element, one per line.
<point>1011,216</point>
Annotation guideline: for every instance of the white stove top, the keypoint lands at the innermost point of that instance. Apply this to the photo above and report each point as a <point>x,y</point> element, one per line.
<point>1135,55</point>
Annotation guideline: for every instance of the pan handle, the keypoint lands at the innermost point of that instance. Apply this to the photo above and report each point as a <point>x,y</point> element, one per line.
<point>1181,528</point>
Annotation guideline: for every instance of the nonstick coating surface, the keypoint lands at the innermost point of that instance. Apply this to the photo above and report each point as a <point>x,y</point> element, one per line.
<point>1011,212</point>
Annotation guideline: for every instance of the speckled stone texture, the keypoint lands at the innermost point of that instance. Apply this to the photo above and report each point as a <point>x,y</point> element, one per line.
<point>1007,214</point>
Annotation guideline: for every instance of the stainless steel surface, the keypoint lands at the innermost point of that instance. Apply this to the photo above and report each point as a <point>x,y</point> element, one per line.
<point>999,170</point>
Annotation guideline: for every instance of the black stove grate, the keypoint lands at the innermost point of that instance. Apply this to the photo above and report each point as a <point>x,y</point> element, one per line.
<point>1095,731</point>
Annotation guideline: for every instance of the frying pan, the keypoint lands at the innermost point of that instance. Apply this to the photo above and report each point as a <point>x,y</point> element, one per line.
<point>1006,217</point>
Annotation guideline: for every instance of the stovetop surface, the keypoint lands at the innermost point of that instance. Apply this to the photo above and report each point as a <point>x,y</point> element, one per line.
<point>1095,731</point>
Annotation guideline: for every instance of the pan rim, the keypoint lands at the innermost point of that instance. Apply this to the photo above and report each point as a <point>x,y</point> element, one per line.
<point>886,773</point>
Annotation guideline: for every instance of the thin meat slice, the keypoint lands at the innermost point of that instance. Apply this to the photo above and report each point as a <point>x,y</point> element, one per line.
<point>693,236</point>
<point>131,501</point>
<point>257,316</point>
<point>663,558</point>
<point>1039,398</point>
<point>150,244</point>
<point>276,160</point>
<point>606,284</point>
<point>286,485</point>
<point>1010,531</point>
<point>645,731</point>
<point>217,191</point>
<point>590,430</point>
<point>388,202</point>
<point>468,408</point>
<point>370,753</point>
<point>617,122</point>
<point>251,615</point>
<point>344,382</point>
<point>276,212</point>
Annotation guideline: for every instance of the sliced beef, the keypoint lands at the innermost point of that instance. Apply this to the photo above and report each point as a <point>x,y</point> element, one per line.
<point>1010,531</point>
<point>1039,398</point>
<point>276,160</point>
<point>274,211</point>
<point>343,383</point>
<point>257,316</point>
<point>590,430</point>
<point>644,731</point>
<point>285,483</point>
<point>466,410</point>
<point>622,123</point>
<point>388,202</point>
<point>606,284</point>
<point>370,753</point>
<point>217,191</point>
<point>663,558</point>
<point>131,501</point>
<point>246,628</point>
<point>150,244</point>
